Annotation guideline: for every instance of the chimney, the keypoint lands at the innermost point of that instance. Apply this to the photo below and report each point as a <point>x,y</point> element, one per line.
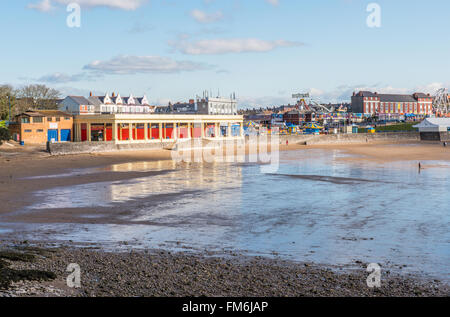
<point>90,94</point>
<point>113,94</point>
<point>354,94</point>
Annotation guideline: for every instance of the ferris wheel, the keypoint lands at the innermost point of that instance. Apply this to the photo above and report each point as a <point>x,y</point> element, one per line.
<point>441,101</point>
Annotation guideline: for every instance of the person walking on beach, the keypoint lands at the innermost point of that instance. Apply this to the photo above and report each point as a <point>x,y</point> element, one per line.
<point>420,167</point>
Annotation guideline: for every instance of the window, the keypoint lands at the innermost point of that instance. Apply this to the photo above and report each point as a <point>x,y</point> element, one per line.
<point>39,131</point>
<point>27,131</point>
<point>49,119</point>
<point>66,118</point>
<point>58,119</point>
<point>25,120</point>
<point>38,119</point>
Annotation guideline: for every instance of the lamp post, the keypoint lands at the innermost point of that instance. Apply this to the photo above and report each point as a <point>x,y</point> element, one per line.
<point>9,103</point>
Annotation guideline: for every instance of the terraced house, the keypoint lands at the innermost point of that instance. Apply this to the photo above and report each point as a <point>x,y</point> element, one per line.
<point>79,105</point>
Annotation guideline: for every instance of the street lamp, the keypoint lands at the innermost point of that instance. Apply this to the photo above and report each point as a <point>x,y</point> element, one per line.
<point>9,103</point>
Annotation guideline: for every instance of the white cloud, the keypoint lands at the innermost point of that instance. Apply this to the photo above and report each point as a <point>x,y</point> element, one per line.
<point>59,78</point>
<point>126,64</point>
<point>273,2</point>
<point>43,6</point>
<point>204,17</point>
<point>46,5</point>
<point>224,46</point>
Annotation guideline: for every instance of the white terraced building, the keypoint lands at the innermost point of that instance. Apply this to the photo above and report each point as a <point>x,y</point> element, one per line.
<point>78,105</point>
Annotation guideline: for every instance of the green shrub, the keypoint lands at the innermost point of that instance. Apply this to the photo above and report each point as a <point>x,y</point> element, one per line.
<point>4,135</point>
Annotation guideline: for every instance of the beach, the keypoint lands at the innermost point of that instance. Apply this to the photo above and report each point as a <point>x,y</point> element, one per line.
<point>164,274</point>
<point>121,269</point>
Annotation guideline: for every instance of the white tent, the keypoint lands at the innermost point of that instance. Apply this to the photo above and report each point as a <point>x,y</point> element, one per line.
<point>434,125</point>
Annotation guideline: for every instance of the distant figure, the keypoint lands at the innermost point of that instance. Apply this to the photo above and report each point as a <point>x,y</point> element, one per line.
<point>287,142</point>
<point>445,144</point>
<point>420,167</point>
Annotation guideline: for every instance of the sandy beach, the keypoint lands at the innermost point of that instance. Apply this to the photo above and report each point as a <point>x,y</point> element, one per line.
<point>161,273</point>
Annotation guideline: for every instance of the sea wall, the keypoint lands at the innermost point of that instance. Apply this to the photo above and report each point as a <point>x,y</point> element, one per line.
<point>357,138</point>
<point>102,147</point>
<point>99,147</point>
<point>435,136</point>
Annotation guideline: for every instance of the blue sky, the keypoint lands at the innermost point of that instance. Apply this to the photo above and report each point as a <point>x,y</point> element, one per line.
<point>264,50</point>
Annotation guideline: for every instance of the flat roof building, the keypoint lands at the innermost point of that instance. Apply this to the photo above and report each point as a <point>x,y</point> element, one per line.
<point>40,126</point>
<point>147,128</point>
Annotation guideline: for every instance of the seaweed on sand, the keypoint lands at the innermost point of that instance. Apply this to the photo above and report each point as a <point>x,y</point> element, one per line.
<point>8,275</point>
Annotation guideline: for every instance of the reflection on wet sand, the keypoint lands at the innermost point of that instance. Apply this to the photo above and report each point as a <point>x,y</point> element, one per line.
<point>317,207</point>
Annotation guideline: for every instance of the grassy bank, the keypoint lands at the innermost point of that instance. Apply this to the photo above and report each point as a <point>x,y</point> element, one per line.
<point>400,127</point>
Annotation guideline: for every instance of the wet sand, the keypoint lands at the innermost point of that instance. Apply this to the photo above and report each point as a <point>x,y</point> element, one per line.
<point>165,274</point>
<point>17,164</point>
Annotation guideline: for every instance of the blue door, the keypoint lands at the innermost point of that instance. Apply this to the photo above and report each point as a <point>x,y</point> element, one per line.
<point>53,135</point>
<point>65,136</point>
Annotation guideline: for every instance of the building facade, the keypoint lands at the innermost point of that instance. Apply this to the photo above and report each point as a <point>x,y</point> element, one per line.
<point>78,105</point>
<point>38,127</point>
<point>367,102</point>
<point>146,128</point>
<point>217,106</point>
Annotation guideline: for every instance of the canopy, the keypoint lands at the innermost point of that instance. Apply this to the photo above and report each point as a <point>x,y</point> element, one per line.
<point>434,124</point>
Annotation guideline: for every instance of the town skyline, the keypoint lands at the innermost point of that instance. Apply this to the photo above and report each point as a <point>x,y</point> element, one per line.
<point>263,50</point>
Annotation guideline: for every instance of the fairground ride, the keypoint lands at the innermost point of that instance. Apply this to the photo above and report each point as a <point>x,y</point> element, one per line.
<point>306,102</point>
<point>441,102</point>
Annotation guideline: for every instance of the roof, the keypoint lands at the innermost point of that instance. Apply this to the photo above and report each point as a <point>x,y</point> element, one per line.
<point>45,113</point>
<point>80,100</point>
<point>393,97</point>
<point>396,98</point>
<point>30,114</point>
<point>55,113</point>
<point>434,122</point>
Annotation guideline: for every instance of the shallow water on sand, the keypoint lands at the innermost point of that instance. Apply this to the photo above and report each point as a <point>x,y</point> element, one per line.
<point>316,207</point>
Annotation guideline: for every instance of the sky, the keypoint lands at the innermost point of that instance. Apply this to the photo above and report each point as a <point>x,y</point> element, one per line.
<point>263,50</point>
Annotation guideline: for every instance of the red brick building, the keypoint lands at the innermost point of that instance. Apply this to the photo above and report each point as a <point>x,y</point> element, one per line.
<point>373,103</point>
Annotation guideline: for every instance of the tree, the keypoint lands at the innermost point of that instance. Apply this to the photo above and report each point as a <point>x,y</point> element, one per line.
<point>37,97</point>
<point>4,135</point>
<point>5,92</point>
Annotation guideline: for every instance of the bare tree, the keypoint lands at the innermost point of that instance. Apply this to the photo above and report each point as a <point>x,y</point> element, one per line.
<point>37,97</point>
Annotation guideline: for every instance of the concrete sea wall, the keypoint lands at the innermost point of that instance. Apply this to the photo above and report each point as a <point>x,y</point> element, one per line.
<point>361,138</point>
<point>435,136</point>
<point>98,147</point>
<point>101,147</point>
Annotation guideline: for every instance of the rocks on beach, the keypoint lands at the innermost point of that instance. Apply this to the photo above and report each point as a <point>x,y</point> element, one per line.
<point>161,273</point>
